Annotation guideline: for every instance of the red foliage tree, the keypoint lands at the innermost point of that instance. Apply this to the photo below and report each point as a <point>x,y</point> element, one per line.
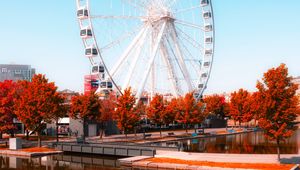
<point>190,112</point>
<point>279,104</point>
<point>216,105</point>
<point>240,106</point>
<point>171,110</point>
<point>7,95</point>
<point>255,106</point>
<point>85,107</point>
<point>106,110</point>
<point>125,115</point>
<point>37,103</point>
<point>155,111</point>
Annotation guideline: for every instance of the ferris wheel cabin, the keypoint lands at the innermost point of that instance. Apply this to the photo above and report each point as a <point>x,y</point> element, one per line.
<point>208,28</point>
<point>208,52</point>
<point>207,15</point>
<point>82,13</point>
<point>208,40</point>
<point>91,52</point>
<point>86,33</point>
<point>107,84</point>
<point>204,2</point>
<point>98,70</point>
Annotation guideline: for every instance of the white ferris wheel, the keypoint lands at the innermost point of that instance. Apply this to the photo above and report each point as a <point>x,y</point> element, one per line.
<point>152,46</point>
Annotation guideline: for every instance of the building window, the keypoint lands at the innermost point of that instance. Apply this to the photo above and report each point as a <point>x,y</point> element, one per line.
<point>18,72</point>
<point>4,70</point>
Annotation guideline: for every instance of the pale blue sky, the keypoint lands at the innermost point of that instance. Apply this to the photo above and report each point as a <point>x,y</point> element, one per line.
<point>251,37</point>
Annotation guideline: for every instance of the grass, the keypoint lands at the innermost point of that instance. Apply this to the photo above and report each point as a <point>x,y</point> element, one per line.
<point>223,164</point>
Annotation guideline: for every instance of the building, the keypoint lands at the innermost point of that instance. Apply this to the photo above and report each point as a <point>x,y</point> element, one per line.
<point>296,80</point>
<point>91,83</point>
<point>16,72</point>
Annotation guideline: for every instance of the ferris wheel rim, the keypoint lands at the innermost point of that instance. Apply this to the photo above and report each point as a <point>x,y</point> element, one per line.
<point>208,71</point>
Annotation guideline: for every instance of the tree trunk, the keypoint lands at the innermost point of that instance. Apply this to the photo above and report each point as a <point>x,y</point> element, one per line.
<point>278,150</point>
<point>101,130</point>
<point>186,130</point>
<point>39,139</point>
<point>27,134</point>
<point>134,130</point>
<point>0,135</point>
<point>83,135</point>
<point>160,130</point>
<point>56,130</point>
<point>101,133</point>
<point>125,135</point>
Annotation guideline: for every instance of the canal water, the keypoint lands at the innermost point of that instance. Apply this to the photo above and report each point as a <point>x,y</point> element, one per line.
<point>252,143</point>
<point>60,162</point>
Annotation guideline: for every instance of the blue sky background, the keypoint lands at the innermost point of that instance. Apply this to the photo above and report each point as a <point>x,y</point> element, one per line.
<point>251,37</point>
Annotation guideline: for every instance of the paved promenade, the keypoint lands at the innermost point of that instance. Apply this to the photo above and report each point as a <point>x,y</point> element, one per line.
<point>233,158</point>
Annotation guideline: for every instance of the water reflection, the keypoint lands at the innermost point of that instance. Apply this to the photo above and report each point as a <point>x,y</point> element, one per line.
<point>253,142</point>
<point>59,162</point>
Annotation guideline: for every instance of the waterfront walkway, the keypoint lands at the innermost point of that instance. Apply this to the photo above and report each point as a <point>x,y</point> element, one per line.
<point>232,158</point>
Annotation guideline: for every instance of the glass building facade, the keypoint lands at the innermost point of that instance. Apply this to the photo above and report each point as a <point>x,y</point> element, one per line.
<point>16,72</point>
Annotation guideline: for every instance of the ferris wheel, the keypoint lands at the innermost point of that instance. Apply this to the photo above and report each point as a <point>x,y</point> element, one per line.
<point>152,46</point>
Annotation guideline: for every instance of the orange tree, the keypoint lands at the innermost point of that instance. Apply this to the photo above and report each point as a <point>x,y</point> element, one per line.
<point>190,111</point>
<point>240,106</point>
<point>85,107</point>
<point>155,111</point>
<point>171,109</point>
<point>37,103</point>
<point>106,111</point>
<point>140,111</point>
<point>216,105</point>
<point>125,114</point>
<point>279,104</point>
<point>255,106</point>
<point>7,95</point>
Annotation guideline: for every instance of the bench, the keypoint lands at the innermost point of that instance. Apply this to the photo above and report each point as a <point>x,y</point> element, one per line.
<point>79,140</point>
<point>147,135</point>
<point>171,134</point>
<point>200,131</point>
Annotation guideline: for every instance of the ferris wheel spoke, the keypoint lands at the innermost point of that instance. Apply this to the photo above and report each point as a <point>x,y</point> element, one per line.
<point>135,4</point>
<point>171,71</point>
<point>187,9</point>
<point>193,61</point>
<point>127,51</point>
<point>132,67</point>
<point>188,24</point>
<point>119,40</point>
<point>180,58</point>
<point>189,39</point>
<point>116,17</point>
<point>152,57</point>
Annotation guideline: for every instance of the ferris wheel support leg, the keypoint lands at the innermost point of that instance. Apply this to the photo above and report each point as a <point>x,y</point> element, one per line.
<point>135,59</point>
<point>180,58</point>
<point>173,78</point>
<point>152,57</point>
<point>152,68</point>
<point>127,51</point>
